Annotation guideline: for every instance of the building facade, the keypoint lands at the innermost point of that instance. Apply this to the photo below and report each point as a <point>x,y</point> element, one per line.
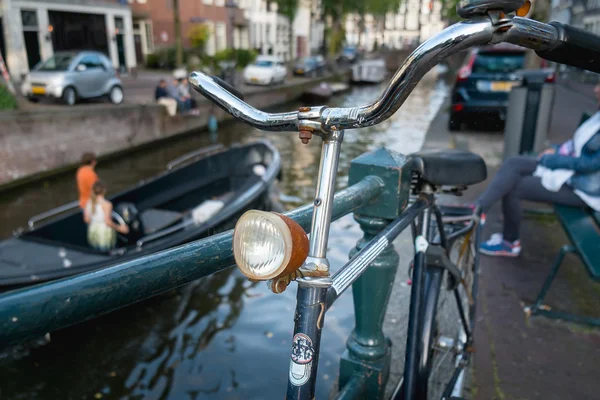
<point>154,18</point>
<point>415,21</point>
<point>33,30</point>
<point>270,31</point>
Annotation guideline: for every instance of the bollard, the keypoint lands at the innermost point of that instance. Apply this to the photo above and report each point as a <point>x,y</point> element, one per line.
<point>368,351</point>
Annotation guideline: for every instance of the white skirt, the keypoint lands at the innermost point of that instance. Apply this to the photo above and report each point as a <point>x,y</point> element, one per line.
<point>101,236</point>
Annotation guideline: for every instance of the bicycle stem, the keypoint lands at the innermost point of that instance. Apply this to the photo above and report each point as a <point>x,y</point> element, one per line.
<point>315,279</point>
<point>322,205</point>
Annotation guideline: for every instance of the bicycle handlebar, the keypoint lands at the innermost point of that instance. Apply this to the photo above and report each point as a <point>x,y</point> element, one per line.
<point>574,47</point>
<point>212,90</point>
<point>554,42</point>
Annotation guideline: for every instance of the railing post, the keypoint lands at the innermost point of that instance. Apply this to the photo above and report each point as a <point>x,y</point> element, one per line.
<point>368,351</point>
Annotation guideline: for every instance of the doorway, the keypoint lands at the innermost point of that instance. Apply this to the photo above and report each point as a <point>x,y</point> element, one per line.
<point>31,37</point>
<point>120,39</point>
<point>139,54</point>
<point>32,45</point>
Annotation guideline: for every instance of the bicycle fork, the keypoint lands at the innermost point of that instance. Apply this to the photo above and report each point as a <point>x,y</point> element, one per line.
<point>314,280</point>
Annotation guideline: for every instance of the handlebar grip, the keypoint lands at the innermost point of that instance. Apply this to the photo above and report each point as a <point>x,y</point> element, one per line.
<point>574,47</point>
<point>228,87</point>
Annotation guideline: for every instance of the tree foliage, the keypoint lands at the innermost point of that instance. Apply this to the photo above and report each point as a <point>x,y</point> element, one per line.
<point>449,10</point>
<point>7,100</point>
<point>198,36</point>
<point>241,57</point>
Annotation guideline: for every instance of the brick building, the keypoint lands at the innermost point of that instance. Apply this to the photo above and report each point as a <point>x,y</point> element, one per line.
<point>154,28</point>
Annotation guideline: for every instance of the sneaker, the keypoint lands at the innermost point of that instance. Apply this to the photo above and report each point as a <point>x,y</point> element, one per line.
<point>497,246</point>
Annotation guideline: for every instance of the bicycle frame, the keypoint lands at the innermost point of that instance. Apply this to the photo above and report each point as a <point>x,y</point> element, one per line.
<point>487,23</point>
<point>426,286</point>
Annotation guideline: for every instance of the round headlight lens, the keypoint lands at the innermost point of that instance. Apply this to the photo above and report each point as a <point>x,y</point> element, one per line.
<point>262,244</point>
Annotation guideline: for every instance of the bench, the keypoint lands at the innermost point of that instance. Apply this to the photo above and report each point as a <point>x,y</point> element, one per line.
<point>582,226</point>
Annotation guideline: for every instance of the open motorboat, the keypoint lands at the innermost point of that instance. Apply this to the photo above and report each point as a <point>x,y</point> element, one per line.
<point>199,194</point>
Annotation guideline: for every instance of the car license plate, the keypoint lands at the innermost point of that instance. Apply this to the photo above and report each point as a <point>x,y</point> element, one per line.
<point>300,71</point>
<point>38,90</point>
<point>254,79</point>
<point>502,86</point>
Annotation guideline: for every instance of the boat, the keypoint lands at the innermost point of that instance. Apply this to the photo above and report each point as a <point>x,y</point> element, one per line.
<point>199,194</point>
<point>369,71</point>
<point>340,87</point>
<point>317,94</point>
<point>323,91</point>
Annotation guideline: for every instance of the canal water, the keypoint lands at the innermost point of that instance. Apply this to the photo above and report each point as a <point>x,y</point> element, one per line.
<point>221,337</point>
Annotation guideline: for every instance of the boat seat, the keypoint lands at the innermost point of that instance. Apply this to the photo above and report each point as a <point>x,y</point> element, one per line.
<point>449,167</point>
<point>154,219</point>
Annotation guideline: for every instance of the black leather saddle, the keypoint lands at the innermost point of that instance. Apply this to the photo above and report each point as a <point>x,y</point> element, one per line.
<point>449,167</point>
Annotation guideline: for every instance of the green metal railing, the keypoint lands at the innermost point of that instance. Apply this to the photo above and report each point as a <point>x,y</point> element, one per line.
<point>33,311</point>
<point>378,193</point>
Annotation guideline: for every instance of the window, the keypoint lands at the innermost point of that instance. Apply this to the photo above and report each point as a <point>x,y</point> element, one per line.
<point>498,62</point>
<point>208,2</point>
<point>29,19</point>
<point>58,62</point>
<point>119,25</point>
<point>389,21</point>
<point>263,63</point>
<point>91,61</point>
<point>210,43</point>
<point>149,37</point>
<point>220,3</point>
<point>221,36</point>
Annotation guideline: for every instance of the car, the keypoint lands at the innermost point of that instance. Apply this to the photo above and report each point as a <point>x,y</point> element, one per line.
<point>308,66</point>
<point>69,76</point>
<point>349,54</point>
<point>266,70</point>
<point>484,82</point>
<point>321,61</point>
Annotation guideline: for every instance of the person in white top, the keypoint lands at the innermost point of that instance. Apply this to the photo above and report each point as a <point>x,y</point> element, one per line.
<point>566,174</point>
<point>98,215</point>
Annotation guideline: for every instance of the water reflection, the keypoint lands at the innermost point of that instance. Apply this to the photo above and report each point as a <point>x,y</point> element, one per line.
<point>221,337</point>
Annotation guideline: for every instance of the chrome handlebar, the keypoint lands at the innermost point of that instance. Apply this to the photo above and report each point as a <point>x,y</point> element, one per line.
<point>210,89</point>
<point>492,28</point>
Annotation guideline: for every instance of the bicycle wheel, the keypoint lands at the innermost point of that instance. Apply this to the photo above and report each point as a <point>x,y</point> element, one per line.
<point>442,328</point>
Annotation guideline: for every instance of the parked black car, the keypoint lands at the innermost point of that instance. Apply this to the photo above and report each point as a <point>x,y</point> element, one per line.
<point>309,66</point>
<point>484,82</point>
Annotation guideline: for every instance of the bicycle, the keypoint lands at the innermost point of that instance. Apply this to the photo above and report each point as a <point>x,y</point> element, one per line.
<point>270,247</point>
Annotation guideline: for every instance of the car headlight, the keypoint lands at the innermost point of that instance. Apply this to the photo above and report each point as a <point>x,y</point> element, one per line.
<point>268,245</point>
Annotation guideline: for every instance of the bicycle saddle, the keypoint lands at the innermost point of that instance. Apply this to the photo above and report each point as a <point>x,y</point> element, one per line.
<point>449,167</point>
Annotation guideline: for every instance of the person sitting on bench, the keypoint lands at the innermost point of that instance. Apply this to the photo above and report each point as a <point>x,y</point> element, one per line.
<point>162,97</point>
<point>567,174</point>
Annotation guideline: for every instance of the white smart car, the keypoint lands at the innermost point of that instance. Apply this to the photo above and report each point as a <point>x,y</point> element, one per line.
<point>266,70</point>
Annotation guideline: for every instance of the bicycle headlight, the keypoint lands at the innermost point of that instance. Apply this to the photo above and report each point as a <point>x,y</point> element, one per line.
<point>267,245</point>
